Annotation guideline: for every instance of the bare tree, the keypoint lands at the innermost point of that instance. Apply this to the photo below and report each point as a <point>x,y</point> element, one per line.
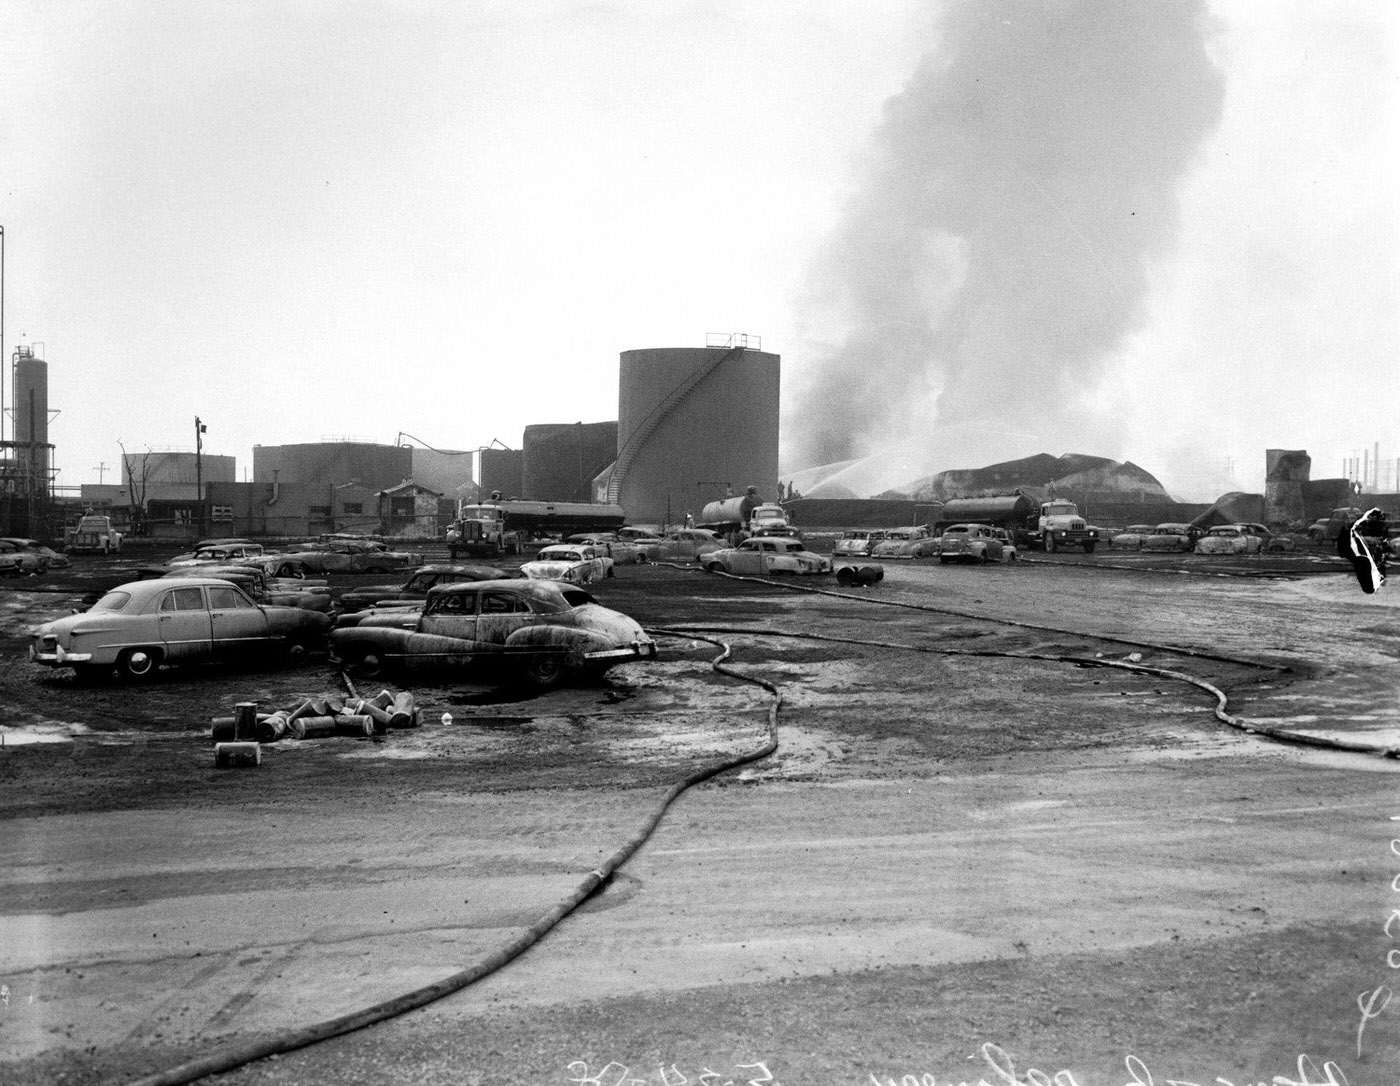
<point>136,486</point>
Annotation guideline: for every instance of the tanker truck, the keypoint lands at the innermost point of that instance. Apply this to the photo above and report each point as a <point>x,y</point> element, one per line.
<point>1054,525</point>
<point>739,518</point>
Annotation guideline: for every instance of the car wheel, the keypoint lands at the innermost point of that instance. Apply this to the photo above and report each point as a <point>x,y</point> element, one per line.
<point>984,558</point>
<point>286,569</point>
<point>369,664</point>
<point>295,651</point>
<point>544,670</point>
<point>1089,547</point>
<point>714,567</point>
<point>138,665</point>
<point>1049,544</point>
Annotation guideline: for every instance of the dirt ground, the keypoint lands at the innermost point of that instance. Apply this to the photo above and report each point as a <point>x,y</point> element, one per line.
<point>978,854</point>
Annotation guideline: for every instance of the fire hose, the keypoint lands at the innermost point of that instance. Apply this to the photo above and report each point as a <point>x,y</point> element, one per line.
<point>236,1055</point>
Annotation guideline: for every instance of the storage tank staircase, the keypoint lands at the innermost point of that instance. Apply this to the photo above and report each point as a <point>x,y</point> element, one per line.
<point>657,415</point>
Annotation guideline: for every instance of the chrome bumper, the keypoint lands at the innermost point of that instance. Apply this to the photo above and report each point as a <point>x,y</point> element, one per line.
<point>638,650</point>
<point>58,658</point>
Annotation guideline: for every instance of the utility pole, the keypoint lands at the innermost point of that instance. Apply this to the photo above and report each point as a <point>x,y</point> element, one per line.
<point>199,429</point>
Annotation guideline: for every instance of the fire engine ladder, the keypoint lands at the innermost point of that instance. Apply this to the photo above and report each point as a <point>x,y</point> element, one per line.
<point>639,436</point>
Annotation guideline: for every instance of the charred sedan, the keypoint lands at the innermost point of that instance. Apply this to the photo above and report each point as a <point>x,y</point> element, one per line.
<point>416,587</point>
<point>139,626</point>
<point>570,563</point>
<point>766,554</point>
<point>540,631</point>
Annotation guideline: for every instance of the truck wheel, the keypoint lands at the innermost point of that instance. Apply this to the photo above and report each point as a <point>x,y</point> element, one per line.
<point>138,665</point>
<point>1049,544</point>
<point>1089,547</point>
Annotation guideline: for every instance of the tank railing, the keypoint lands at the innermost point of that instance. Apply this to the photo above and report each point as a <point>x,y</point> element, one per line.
<point>733,339</point>
<point>648,426</point>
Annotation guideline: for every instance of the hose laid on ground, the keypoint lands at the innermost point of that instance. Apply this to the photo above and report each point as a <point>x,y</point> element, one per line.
<point>1281,734</point>
<point>236,1055</point>
<point>1175,650</point>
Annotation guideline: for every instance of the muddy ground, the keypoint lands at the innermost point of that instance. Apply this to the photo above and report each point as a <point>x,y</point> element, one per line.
<point>975,847</point>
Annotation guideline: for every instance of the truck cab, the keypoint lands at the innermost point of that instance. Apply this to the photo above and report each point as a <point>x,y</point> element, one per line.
<point>1060,526</point>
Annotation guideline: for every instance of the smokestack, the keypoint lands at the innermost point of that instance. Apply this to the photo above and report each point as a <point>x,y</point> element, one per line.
<point>994,260</point>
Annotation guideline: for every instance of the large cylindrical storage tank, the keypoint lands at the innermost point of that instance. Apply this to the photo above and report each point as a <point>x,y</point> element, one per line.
<point>30,408</point>
<point>695,424</point>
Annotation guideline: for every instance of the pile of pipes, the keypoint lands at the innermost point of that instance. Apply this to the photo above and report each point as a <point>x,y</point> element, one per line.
<point>317,718</point>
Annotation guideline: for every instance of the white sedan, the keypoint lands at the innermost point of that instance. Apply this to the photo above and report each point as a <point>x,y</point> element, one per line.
<point>765,554</point>
<point>569,563</point>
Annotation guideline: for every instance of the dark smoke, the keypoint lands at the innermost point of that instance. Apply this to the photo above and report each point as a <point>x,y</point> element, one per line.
<point>995,259</point>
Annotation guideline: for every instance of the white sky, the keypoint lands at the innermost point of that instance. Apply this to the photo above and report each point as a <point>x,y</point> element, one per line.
<point>447,219</point>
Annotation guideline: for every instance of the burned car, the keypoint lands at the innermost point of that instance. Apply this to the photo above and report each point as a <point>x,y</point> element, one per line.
<point>28,556</point>
<point>624,552</point>
<point>570,563</point>
<point>541,632</point>
<point>913,542</point>
<point>1229,539</point>
<point>857,543</point>
<point>310,595</point>
<point>1273,542</point>
<point>338,556</point>
<point>218,551</point>
<point>141,625</point>
<point>1179,538</point>
<point>1131,538</point>
<point>975,543</point>
<point>415,589</point>
<point>682,545</point>
<point>762,555</point>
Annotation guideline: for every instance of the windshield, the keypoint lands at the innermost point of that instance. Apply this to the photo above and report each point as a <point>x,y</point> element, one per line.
<point>112,601</point>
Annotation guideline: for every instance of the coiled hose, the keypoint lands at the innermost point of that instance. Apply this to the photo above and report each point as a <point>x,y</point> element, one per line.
<point>238,1054</point>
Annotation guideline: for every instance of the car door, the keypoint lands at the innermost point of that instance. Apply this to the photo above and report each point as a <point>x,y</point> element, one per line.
<point>746,559</point>
<point>239,626</point>
<point>184,624</point>
<point>499,615</point>
<point>451,614</point>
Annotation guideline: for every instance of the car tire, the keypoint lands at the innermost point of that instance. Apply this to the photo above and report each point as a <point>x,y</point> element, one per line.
<point>544,670</point>
<point>138,665</point>
<point>714,567</point>
<point>286,569</point>
<point>1089,547</point>
<point>1049,544</point>
<point>295,651</point>
<point>369,664</point>
<point>984,558</point>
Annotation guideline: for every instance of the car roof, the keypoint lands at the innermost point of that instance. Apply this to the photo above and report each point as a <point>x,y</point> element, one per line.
<point>144,590</point>
<point>519,585</point>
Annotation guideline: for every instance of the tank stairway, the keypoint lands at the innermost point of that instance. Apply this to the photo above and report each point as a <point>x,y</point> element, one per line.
<point>657,415</point>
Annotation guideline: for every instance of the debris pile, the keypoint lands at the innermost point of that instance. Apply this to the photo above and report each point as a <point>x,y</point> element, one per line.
<point>317,718</point>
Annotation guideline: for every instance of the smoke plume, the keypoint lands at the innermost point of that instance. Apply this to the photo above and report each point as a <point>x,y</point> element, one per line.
<point>993,261</point>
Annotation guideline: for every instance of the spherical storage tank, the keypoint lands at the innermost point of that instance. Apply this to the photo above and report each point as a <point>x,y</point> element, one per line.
<point>694,424</point>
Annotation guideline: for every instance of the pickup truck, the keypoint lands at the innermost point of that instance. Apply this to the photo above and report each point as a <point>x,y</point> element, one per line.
<point>93,535</point>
